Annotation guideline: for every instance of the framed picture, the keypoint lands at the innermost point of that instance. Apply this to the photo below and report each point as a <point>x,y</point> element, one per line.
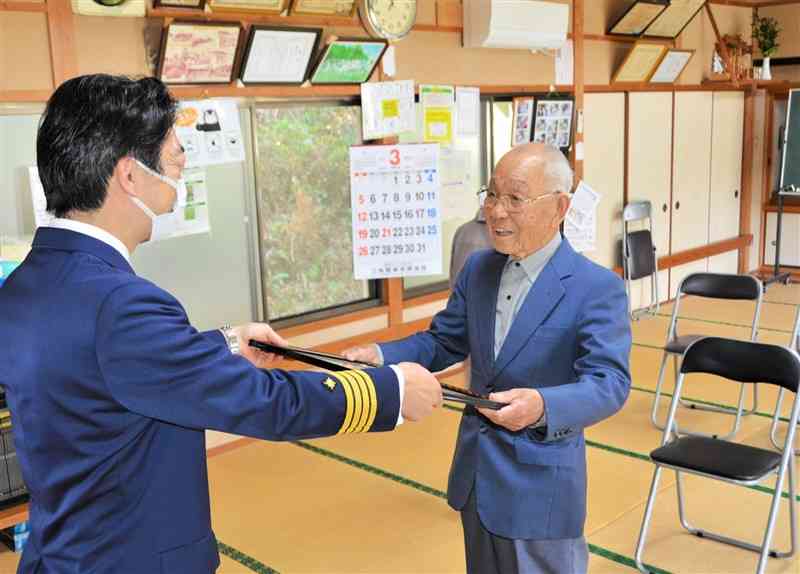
<point>640,63</point>
<point>348,61</point>
<point>199,52</point>
<point>522,122</point>
<point>672,63</point>
<point>190,4</point>
<point>344,8</point>
<point>278,55</point>
<point>553,122</point>
<point>671,22</point>
<point>637,17</point>
<point>260,6</point>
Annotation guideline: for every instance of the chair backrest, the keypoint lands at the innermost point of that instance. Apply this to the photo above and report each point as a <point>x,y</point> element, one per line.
<point>721,286</point>
<point>641,262</point>
<point>636,210</point>
<point>743,361</point>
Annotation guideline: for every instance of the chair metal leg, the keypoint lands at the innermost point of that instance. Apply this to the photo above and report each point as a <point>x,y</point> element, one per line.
<point>648,513</point>
<point>771,553</point>
<point>773,429</point>
<point>657,399</point>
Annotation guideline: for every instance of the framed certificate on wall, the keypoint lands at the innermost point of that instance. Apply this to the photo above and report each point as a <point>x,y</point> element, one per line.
<point>640,63</point>
<point>278,55</point>
<point>199,52</point>
<point>671,22</point>
<point>260,6</point>
<point>344,8</point>
<point>637,17</point>
<point>672,63</point>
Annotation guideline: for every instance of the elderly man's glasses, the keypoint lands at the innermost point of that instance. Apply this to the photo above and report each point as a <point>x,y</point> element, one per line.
<point>512,202</point>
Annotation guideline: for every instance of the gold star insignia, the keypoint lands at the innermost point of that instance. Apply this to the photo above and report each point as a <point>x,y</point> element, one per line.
<point>330,383</point>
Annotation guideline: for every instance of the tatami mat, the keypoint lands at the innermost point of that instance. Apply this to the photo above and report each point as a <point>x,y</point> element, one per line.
<point>375,503</point>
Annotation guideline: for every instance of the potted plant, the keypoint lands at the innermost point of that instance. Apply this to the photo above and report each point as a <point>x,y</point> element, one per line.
<point>765,33</point>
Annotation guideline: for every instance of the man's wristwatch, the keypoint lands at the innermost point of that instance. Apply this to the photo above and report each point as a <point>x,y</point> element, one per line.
<point>231,339</point>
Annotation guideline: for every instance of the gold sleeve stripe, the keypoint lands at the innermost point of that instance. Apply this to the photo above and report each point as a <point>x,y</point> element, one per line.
<point>367,404</point>
<point>361,401</point>
<point>348,399</point>
<point>373,400</point>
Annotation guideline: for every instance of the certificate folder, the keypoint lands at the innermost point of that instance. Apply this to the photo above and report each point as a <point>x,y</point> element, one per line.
<point>339,363</point>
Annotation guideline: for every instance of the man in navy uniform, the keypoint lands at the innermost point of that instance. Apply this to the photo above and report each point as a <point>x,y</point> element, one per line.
<point>547,331</point>
<point>109,385</point>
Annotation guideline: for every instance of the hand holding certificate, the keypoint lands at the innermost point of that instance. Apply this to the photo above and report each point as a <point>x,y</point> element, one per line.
<point>338,363</point>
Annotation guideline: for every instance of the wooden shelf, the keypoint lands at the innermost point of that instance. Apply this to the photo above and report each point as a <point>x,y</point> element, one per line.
<point>23,7</point>
<point>14,515</point>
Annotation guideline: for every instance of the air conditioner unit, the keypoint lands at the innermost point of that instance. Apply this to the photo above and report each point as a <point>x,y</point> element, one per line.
<point>132,8</point>
<point>527,24</point>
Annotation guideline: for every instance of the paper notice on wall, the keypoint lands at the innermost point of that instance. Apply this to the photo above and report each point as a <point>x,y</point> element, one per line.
<point>468,111</point>
<point>437,113</point>
<point>192,207</point>
<point>580,224</point>
<point>210,132</point>
<point>387,108</point>
<point>564,64</point>
<point>41,216</point>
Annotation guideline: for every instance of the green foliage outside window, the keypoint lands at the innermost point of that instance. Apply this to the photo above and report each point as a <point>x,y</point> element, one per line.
<point>303,175</point>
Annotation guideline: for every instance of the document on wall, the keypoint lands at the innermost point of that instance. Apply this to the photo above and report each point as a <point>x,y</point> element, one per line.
<point>396,212</point>
<point>210,132</point>
<point>41,217</point>
<point>437,113</point>
<point>468,111</point>
<point>564,63</point>
<point>192,207</point>
<point>387,108</point>
<point>580,224</point>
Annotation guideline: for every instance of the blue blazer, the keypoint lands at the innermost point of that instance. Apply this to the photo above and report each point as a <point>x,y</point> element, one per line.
<point>571,340</point>
<point>110,389</point>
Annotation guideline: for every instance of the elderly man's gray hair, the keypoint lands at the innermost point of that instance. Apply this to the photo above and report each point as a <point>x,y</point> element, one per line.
<point>558,170</point>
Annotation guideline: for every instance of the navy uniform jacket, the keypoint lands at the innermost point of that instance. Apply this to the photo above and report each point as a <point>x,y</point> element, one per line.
<point>110,389</point>
<point>571,340</point>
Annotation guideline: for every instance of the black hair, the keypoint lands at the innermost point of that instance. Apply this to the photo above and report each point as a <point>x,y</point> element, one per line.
<point>90,123</point>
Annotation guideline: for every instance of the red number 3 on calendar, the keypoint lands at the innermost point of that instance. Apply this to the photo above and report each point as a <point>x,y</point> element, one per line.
<point>394,157</point>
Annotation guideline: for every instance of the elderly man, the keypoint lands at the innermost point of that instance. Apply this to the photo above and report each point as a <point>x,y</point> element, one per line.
<point>110,387</point>
<point>547,331</point>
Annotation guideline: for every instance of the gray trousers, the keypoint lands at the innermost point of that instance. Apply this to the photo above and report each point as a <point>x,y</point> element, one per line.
<point>487,553</point>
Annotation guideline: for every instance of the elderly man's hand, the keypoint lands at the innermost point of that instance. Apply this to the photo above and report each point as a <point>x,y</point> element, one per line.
<point>260,332</point>
<point>366,353</point>
<point>525,407</point>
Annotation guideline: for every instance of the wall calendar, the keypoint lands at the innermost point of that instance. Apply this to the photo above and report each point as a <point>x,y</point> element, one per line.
<point>397,223</point>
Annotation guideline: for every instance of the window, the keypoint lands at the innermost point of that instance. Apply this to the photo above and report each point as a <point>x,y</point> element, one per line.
<point>303,196</point>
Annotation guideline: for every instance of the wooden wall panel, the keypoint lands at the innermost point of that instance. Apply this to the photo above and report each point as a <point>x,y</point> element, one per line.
<point>437,57</point>
<point>24,52</point>
<point>789,19</point>
<point>110,45</point>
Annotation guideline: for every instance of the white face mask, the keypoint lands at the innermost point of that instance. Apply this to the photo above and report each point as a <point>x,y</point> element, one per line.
<point>162,226</point>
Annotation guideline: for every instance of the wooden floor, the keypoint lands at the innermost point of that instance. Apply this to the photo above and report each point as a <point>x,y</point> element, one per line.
<point>375,503</point>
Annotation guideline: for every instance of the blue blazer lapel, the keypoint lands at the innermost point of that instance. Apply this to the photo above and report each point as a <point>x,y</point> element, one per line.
<point>543,297</point>
<point>487,288</point>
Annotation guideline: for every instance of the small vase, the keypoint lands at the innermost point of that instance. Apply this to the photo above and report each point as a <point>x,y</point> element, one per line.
<point>766,73</point>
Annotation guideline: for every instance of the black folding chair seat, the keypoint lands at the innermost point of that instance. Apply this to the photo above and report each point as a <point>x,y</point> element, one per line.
<point>639,259</point>
<point>718,457</point>
<point>736,362</point>
<point>680,344</point>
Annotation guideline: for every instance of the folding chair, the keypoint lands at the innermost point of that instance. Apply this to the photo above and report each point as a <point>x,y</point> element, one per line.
<point>639,256</point>
<point>773,430</point>
<point>745,362</point>
<point>716,286</point>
